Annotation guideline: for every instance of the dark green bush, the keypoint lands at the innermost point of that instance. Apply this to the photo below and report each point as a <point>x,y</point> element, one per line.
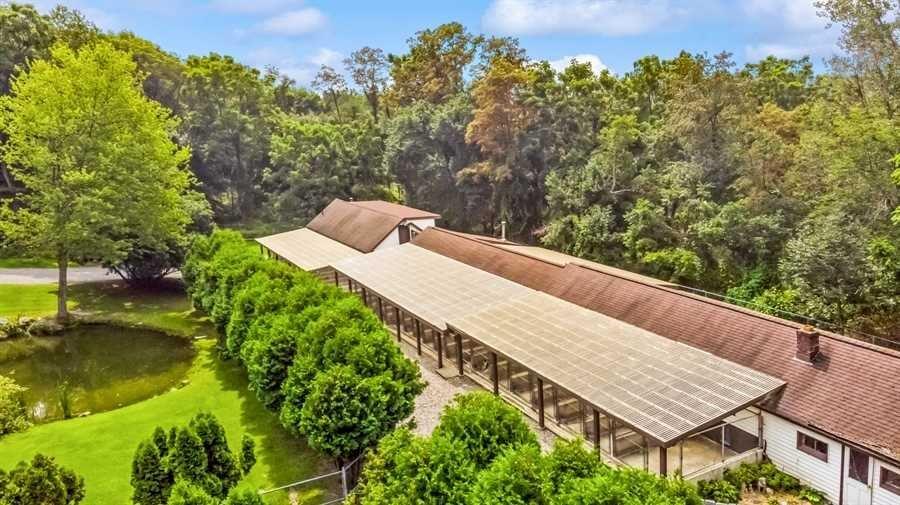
<point>189,493</point>
<point>41,481</point>
<point>407,470</point>
<point>627,486</point>
<point>263,293</point>
<point>344,414</point>
<point>485,424</point>
<point>513,478</point>
<point>569,460</point>
<point>268,357</point>
<point>195,457</point>
<point>150,476</point>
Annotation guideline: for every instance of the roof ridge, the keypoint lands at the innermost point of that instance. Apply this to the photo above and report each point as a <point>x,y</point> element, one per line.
<point>356,203</point>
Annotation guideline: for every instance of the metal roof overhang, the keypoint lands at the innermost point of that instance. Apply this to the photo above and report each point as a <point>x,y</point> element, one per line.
<point>663,389</point>
<point>307,249</point>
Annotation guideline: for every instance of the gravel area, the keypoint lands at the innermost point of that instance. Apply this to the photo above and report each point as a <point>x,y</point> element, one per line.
<point>440,391</point>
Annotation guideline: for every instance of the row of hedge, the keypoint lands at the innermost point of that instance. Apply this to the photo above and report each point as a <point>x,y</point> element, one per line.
<point>314,354</point>
<point>482,452</point>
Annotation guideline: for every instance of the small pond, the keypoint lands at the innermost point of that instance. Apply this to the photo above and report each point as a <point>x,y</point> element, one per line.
<point>94,368</point>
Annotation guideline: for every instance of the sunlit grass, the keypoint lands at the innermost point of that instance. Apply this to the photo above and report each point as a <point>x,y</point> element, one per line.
<point>100,447</point>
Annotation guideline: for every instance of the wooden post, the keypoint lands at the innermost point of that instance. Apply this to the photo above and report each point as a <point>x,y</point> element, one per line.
<point>399,321</point>
<point>645,452</point>
<point>596,437</point>
<point>612,436</point>
<point>349,284</point>
<point>336,281</point>
<point>459,354</point>
<point>365,297</point>
<point>555,394</point>
<point>495,374</point>
<point>540,388</point>
<point>381,309</point>
<point>418,337</point>
<point>723,442</point>
<point>663,461</point>
<point>439,337</point>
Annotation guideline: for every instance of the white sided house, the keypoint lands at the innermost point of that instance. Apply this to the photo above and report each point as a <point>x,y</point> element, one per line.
<point>650,375</point>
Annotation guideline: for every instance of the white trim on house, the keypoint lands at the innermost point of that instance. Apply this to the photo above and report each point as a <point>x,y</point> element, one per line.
<point>393,238</point>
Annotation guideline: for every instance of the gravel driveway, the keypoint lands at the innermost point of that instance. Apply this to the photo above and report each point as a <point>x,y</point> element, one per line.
<point>50,275</point>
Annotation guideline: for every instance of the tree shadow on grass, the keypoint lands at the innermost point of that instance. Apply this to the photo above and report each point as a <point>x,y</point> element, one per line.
<point>164,305</point>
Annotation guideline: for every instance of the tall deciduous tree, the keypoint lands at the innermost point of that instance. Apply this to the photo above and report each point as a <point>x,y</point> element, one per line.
<point>96,156</point>
<point>434,68</point>
<point>332,85</point>
<point>368,68</point>
<point>226,121</point>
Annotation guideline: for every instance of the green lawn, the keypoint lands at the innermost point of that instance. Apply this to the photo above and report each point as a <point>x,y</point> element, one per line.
<point>165,307</point>
<point>27,300</point>
<point>100,447</point>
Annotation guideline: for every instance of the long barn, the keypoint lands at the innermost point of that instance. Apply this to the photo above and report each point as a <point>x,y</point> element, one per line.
<point>650,375</point>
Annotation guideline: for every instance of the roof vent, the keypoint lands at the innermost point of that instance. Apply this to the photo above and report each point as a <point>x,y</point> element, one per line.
<point>807,344</point>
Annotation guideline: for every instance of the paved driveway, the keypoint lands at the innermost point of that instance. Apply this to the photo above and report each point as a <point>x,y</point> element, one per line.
<point>50,275</point>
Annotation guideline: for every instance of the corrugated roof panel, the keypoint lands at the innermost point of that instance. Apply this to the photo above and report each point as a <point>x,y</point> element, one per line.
<point>307,249</point>
<point>661,387</point>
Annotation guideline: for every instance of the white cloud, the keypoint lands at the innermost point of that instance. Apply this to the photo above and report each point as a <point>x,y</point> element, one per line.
<point>798,15</point>
<point>294,23</point>
<point>253,6</point>
<point>604,17</point>
<point>325,56</point>
<point>596,64</point>
<point>791,29</point>
<point>302,70</point>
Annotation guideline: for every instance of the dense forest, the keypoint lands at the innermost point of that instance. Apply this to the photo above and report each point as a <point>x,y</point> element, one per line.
<point>771,183</point>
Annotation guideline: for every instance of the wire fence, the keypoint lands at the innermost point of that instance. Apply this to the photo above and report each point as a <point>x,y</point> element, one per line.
<point>799,318</point>
<point>325,489</point>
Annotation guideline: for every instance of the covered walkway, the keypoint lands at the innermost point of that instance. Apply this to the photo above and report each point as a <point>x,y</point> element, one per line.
<point>631,393</point>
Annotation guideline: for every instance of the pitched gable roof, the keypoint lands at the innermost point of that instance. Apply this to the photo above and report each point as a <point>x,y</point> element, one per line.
<point>851,394</point>
<point>358,227</point>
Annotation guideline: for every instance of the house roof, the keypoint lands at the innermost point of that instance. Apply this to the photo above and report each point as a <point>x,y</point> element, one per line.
<point>356,226</point>
<point>852,393</point>
<point>660,387</point>
<point>307,249</point>
<point>395,209</point>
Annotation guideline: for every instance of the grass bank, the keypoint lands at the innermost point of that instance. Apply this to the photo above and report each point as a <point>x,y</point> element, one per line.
<point>100,447</point>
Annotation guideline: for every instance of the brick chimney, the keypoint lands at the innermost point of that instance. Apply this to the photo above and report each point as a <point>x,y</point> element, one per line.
<point>807,344</point>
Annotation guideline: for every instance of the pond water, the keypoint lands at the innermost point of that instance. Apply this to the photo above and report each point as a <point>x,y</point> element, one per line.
<point>94,368</point>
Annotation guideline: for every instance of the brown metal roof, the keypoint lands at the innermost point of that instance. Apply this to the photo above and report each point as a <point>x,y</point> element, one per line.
<point>307,249</point>
<point>354,225</point>
<point>395,209</point>
<point>853,393</point>
<point>660,387</point>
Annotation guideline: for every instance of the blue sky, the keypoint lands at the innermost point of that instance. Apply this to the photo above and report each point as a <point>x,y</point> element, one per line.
<point>299,35</point>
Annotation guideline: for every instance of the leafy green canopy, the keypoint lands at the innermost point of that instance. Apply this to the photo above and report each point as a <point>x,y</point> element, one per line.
<point>96,156</point>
